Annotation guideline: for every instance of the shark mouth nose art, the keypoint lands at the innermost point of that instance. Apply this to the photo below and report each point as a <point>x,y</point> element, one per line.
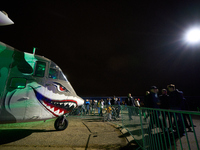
<point>56,107</point>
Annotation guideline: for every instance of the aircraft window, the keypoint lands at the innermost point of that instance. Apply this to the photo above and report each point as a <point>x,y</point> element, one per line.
<point>53,65</point>
<point>56,73</point>
<point>40,69</point>
<point>18,83</point>
<point>53,73</point>
<point>62,76</point>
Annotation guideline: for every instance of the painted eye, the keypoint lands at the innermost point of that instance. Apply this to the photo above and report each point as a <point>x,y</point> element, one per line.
<point>62,88</point>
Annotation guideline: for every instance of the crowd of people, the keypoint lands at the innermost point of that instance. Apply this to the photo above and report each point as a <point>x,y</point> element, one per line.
<point>172,101</point>
<point>96,107</point>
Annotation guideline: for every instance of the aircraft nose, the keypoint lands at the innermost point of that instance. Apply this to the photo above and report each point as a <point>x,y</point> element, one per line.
<point>80,101</point>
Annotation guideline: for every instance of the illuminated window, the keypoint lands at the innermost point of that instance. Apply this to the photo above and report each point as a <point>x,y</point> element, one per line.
<point>40,69</point>
<point>18,83</point>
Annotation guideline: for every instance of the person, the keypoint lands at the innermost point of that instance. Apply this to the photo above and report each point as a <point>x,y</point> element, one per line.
<point>164,104</point>
<point>153,99</point>
<point>164,100</point>
<point>130,103</point>
<point>146,98</point>
<point>144,104</point>
<point>137,104</point>
<point>118,108</point>
<point>175,97</point>
<point>108,101</point>
<point>83,110</point>
<point>153,102</point>
<point>87,103</point>
<point>185,106</point>
<point>98,106</point>
<point>176,102</point>
<point>113,101</point>
<point>101,107</point>
<point>109,112</point>
<point>186,117</point>
<point>95,106</point>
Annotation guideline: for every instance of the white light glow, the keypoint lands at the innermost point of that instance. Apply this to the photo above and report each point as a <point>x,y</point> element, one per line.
<point>193,35</point>
<point>4,20</point>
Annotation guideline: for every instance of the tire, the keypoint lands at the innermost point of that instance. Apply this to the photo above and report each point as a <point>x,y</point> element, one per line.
<point>60,124</point>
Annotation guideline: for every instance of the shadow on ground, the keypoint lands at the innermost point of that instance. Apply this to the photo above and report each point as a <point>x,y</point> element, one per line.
<point>11,135</point>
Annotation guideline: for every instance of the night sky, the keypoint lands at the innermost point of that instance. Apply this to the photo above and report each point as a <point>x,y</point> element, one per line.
<point>107,47</point>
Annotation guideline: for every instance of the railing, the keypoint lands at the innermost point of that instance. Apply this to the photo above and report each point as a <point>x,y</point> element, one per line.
<point>155,129</point>
<point>159,129</point>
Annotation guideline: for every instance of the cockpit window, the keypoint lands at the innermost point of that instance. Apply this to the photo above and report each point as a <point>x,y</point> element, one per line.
<point>53,73</point>
<point>40,69</point>
<point>56,73</point>
<point>62,76</point>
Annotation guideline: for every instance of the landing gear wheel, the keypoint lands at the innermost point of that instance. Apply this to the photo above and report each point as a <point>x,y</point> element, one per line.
<point>61,123</point>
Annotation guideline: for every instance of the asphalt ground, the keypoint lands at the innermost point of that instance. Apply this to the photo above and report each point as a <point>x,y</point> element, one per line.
<point>86,132</point>
<point>90,133</point>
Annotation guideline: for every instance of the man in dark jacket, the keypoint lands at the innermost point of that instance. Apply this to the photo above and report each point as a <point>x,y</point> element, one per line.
<point>130,102</point>
<point>153,102</point>
<point>176,102</point>
<point>164,104</point>
<point>175,98</point>
<point>113,101</point>
<point>153,99</point>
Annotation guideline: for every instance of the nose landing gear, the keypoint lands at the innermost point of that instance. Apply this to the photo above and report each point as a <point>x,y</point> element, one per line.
<point>61,123</point>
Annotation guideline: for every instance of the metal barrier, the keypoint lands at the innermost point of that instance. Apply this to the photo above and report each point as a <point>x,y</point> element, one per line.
<point>159,129</point>
<point>152,129</point>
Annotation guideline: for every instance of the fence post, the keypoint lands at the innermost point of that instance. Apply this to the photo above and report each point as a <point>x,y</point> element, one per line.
<point>143,140</point>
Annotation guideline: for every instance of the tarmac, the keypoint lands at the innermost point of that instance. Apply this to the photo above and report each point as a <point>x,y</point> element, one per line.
<point>82,133</point>
<point>89,133</point>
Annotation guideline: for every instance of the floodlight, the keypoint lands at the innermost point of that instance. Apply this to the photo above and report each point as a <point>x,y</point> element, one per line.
<point>193,35</point>
<point>4,20</point>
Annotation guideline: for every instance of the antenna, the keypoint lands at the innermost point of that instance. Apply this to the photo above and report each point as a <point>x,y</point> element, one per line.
<point>34,49</point>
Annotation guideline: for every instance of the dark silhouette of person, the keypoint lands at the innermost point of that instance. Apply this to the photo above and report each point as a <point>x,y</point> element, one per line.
<point>164,104</point>
<point>130,102</point>
<point>153,102</point>
<point>176,102</point>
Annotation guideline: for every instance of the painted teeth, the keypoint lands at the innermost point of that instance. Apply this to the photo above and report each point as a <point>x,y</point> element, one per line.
<point>57,112</point>
<point>62,113</point>
<point>70,104</point>
<point>52,109</point>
